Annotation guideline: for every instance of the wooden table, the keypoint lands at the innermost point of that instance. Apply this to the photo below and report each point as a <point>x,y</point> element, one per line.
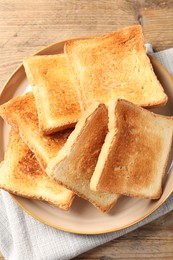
<point>27,26</point>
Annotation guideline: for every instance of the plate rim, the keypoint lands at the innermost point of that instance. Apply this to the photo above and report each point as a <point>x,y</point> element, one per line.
<point>28,211</point>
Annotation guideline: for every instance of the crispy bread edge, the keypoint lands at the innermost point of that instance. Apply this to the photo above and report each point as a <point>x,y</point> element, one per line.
<point>64,206</point>
<point>67,149</point>
<point>94,182</point>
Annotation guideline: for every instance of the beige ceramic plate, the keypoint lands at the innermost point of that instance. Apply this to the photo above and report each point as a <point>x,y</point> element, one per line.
<point>83,218</point>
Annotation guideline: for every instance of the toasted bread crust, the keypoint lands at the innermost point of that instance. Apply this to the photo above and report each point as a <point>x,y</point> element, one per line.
<point>21,114</point>
<point>146,139</point>
<point>56,97</point>
<point>114,66</point>
<point>21,174</point>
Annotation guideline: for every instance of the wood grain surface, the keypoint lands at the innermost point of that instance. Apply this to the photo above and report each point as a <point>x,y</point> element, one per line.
<point>28,25</point>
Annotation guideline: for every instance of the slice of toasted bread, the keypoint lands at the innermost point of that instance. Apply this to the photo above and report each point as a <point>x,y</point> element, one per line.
<point>114,65</point>
<point>21,114</point>
<point>56,97</point>
<point>75,163</point>
<point>21,174</point>
<point>134,156</point>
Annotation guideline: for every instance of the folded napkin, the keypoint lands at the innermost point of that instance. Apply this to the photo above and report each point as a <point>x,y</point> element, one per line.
<point>23,237</point>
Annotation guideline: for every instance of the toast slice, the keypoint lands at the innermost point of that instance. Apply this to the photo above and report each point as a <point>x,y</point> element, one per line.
<point>75,163</point>
<point>114,66</point>
<point>21,174</point>
<point>21,114</point>
<point>134,156</point>
<point>55,95</point>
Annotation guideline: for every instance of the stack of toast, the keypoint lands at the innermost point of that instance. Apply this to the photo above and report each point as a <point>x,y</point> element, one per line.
<point>84,129</point>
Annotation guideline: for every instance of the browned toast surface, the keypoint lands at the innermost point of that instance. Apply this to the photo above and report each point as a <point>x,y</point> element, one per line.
<point>114,65</point>
<point>21,174</point>
<point>21,114</point>
<point>134,156</point>
<point>56,97</point>
<point>75,163</point>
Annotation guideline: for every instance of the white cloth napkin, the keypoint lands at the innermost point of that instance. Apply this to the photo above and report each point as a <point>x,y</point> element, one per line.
<point>23,237</point>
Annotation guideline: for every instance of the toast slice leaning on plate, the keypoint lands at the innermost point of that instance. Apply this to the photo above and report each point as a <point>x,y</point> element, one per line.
<point>75,163</point>
<point>135,153</point>
<point>21,114</point>
<point>21,174</point>
<point>56,97</point>
<point>114,66</point>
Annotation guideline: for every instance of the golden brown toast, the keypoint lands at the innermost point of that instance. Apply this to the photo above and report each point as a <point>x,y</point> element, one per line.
<point>134,155</point>
<point>114,66</point>
<point>75,163</point>
<point>21,114</point>
<point>55,95</point>
<point>21,174</point>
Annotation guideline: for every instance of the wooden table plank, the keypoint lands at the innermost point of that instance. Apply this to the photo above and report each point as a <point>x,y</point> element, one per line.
<point>27,26</point>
